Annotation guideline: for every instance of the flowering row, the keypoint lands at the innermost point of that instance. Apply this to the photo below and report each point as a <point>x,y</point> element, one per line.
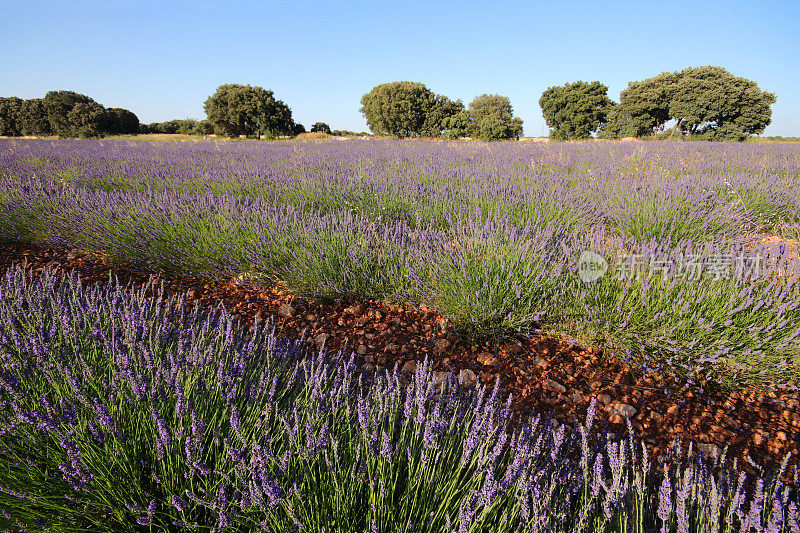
<point>490,236</point>
<point>119,407</point>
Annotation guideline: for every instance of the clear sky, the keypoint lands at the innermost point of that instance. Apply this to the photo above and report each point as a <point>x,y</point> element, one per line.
<point>163,58</point>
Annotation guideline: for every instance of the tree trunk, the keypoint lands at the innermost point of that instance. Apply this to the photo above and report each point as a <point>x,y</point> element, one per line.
<point>675,128</point>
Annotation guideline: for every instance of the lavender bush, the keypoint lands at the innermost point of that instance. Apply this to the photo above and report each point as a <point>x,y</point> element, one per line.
<point>490,235</point>
<point>121,409</point>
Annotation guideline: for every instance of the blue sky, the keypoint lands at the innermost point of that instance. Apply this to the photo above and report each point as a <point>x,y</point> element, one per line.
<point>162,59</point>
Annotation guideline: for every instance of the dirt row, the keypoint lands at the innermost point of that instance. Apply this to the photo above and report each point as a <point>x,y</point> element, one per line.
<point>545,374</point>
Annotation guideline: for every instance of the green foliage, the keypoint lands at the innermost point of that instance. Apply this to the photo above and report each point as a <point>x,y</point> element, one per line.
<point>169,127</point>
<point>297,129</point>
<point>9,116</point>
<point>236,109</point>
<point>575,110</point>
<point>646,103</point>
<point>187,126</point>
<point>705,102</point>
<point>410,109</point>
<point>59,105</point>
<point>33,118</point>
<point>348,133</point>
<point>87,119</point>
<point>712,102</point>
<point>457,125</point>
<point>321,127</point>
<point>65,113</point>
<point>440,113</point>
<point>492,118</point>
<point>398,108</point>
<point>121,121</point>
<point>618,124</point>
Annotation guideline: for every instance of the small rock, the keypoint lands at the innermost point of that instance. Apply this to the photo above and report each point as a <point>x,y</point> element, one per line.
<point>732,422</point>
<point>487,377</point>
<point>487,359</point>
<point>410,367</point>
<point>710,450</point>
<point>515,348</point>
<point>361,350</point>
<point>605,399</point>
<point>467,378</point>
<point>624,409</point>
<point>577,397</point>
<point>440,346</point>
<point>286,310</point>
<point>541,362</point>
<point>440,379</point>
<point>554,386</point>
<point>320,339</point>
<point>780,435</point>
<point>355,310</point>
<point>391,348</point>
<point>672,409</point>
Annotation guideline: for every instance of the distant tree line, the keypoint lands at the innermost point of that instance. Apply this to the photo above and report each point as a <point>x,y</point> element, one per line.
<point>697,102</point>
<point>410,109</point>
<point>187,126</point>
<point>63,113</point>
<point>707,103</point>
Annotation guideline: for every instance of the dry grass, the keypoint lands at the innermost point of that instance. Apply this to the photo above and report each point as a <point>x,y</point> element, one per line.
<point>314,135</point>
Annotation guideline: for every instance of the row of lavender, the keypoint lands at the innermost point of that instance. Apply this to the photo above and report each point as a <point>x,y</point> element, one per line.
<point>120,408</point>
<point>491,235</point>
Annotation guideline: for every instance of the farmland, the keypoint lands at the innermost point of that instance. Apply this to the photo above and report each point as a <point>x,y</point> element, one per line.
<point>692,276</point>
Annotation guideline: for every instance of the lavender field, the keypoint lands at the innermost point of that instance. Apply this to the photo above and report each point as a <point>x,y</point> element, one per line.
<point>122,409</point>
<point>698,239</point>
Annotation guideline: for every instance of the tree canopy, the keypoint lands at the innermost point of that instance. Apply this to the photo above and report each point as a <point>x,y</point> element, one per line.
<point>706,102</point>
<point>87,119</point>
<point>33,118</point>
<point>441,110</point>
<point>9,115</point>
<point>59,105</point>
<point>321,127</point>
<point>492,118</point>
<point>63,113</point>
<point>398,108</point>
<point>121,121</point>
<point>236,109</point>
<point>575,110</point>
<point>410,109</point>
